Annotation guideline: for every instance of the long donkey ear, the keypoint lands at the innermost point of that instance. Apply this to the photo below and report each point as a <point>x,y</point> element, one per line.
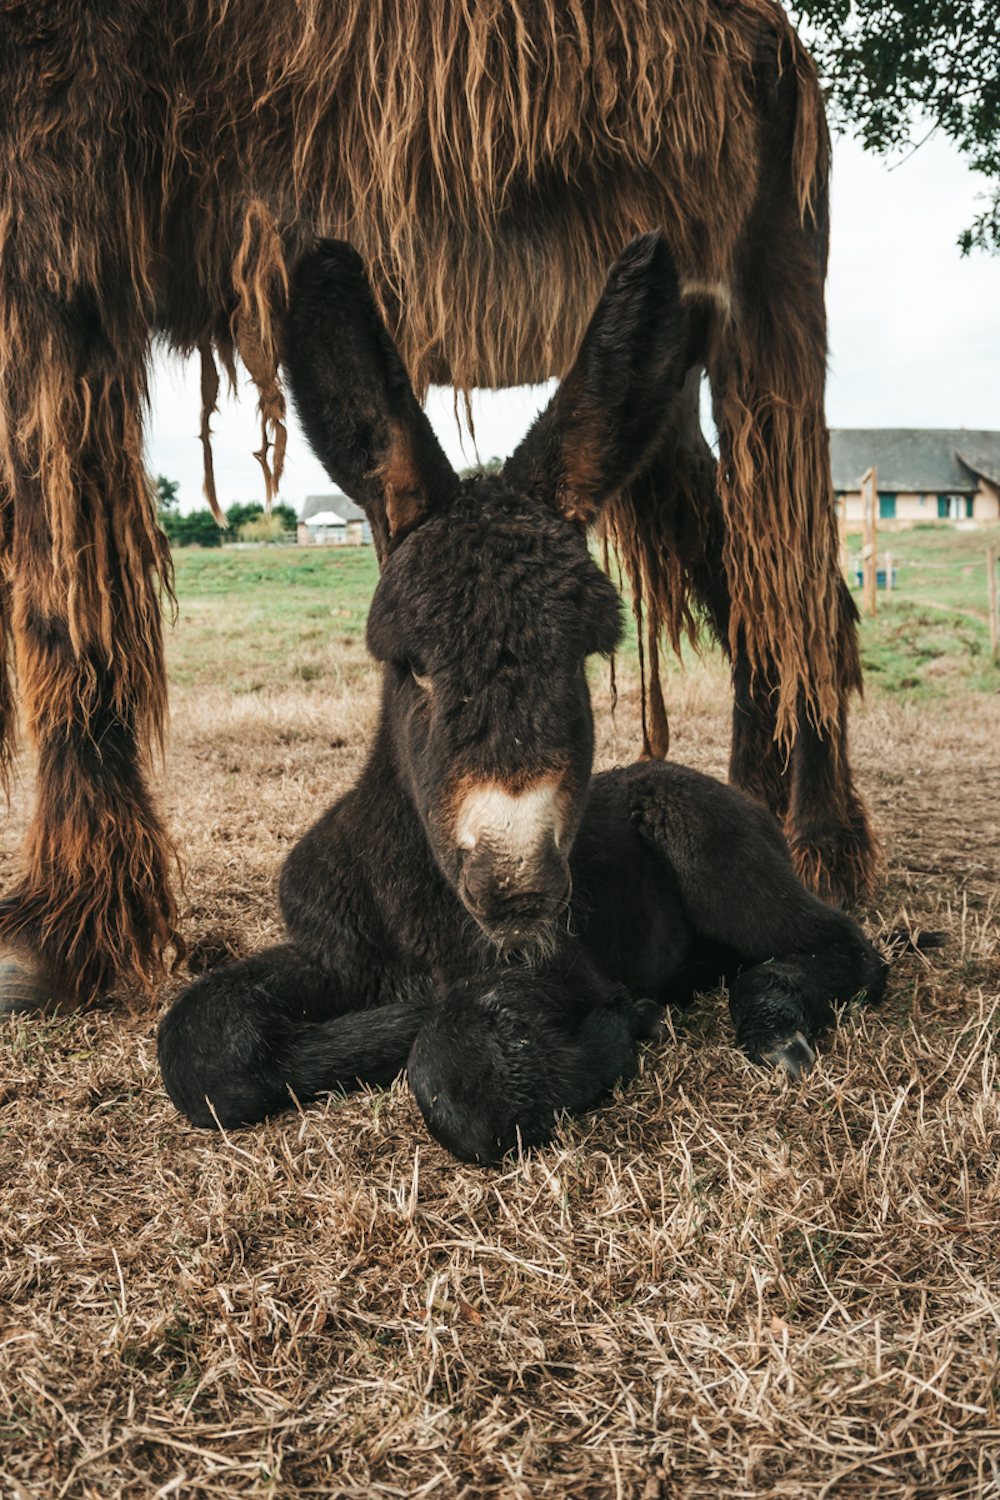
<point>604,420</point>
<point>355,400</point>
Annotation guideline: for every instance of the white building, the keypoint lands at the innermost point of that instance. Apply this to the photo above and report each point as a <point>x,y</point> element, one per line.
<point>923,473</point>
<point>332,520</point>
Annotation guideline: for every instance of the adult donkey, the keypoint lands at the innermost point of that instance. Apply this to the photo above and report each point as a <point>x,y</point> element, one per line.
<point>163,163</point>
<point>475,907</point>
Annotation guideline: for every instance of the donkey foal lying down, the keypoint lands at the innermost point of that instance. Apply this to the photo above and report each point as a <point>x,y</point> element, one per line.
<point>479,909</point>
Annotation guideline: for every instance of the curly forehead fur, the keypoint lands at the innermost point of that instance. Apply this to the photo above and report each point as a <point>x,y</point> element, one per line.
<point>499,568</point>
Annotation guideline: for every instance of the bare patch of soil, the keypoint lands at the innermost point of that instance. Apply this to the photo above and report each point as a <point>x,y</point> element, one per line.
<point>719,1285</point>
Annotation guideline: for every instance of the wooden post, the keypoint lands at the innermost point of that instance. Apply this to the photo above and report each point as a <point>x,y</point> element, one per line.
<point>991,578</point>
<point>888,575</point>
<point>869,503</point>
<point>841,508</point>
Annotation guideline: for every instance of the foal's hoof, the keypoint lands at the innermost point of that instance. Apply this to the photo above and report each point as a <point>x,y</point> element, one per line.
<point>27,984</point>
<point>793,1053</point>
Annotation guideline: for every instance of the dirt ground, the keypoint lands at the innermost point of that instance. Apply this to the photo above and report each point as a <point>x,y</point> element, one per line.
<point>718,1285</point>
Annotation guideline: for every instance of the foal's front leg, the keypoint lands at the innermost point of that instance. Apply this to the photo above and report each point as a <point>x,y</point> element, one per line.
<point>779,1006</point>
<point>247,1040</point>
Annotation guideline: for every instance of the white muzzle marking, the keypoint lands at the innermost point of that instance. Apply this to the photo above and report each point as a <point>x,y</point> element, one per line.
<point>516,826</point>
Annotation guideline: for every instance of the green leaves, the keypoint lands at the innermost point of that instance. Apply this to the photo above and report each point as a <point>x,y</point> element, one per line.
<point>895,69</point>
<point>200,529</point>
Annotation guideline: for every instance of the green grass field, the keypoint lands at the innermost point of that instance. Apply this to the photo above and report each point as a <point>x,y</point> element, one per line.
<point>931,636</point>
<point>263,617</point>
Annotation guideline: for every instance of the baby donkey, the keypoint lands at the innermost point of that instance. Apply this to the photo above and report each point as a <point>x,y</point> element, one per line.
<point>479,909</point>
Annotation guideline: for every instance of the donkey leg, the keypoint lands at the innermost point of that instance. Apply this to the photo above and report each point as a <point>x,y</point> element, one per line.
<point>93,903</point>
<point>833,845</point>
<point>669,530</point>
<point>787,607</point>
<point>810,787</point>
<point>501,1055</point>
<point>809,784</point>
<point>739,890</point>
<point>243,1039</point>
<point>82,554</point>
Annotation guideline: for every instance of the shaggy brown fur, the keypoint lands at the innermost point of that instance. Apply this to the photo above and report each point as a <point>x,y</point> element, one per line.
<point>161,165</point>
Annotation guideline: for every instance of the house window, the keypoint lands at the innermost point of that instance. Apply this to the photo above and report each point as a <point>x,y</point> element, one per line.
<point>942,507</point>
<point>887,507</point>
<point>969,500</point>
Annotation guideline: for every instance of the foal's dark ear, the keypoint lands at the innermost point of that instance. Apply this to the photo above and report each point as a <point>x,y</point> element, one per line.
<point>604,420</point>
<point>354,397</point>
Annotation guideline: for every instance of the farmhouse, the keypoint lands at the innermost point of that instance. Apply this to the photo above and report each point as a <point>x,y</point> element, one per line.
<point>332,520</point>
<point>924,473</point>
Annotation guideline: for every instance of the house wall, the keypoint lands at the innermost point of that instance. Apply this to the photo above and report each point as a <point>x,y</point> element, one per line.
<point>986,504</point>
<point>909,507</point>
<point>321,536</point>
<point>912,508</point>
<point>354,534</point>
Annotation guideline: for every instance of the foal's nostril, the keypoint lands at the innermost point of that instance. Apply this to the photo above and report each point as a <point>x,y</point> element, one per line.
<point>500,895</point>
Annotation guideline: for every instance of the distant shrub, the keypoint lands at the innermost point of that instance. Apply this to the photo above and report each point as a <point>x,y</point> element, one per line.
<point>492,466</point>
<point>198,529</point>
<point>241,514</point>
<point>263,529</point>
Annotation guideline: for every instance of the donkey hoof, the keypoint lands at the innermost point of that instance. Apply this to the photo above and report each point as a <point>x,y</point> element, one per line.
<point>27,984</point>
<point>793,1053</point>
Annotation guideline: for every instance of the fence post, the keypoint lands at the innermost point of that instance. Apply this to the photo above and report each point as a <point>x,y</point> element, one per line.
<point>991,577</point>
<point>869,504</point>
<point>841,508</point>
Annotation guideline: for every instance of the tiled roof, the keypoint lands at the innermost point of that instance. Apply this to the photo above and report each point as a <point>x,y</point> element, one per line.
<point>933,460</point>
<point>337,502</point>
<point>982,461</point>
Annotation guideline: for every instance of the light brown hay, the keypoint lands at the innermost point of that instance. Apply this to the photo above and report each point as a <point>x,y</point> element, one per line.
<point>718,1287</point>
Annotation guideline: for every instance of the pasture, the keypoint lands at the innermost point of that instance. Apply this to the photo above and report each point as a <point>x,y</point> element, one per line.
<point>718,1285</point>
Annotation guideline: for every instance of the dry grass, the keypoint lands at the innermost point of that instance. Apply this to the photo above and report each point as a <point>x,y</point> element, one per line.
<point>718,1285</point>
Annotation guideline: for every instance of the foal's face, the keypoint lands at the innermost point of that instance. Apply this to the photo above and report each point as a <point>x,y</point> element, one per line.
<point>485,617</point>
<point>489,602</point>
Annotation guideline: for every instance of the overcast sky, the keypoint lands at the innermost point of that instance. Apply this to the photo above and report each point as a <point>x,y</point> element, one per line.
<point>914,337</point>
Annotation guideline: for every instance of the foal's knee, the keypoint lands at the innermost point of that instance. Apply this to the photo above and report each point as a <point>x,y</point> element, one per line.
<point>219,1042</point>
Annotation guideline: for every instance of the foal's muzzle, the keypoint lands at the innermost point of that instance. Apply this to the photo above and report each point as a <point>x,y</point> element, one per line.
<point>515,903</point>
<point>513,875</point>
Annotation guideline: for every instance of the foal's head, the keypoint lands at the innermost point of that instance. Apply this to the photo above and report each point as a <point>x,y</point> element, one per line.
<point>489,602</point>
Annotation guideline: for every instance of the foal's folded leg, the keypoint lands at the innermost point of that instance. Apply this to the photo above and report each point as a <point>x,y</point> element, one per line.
<point>243,1039</point>
<point>778,1007</point>
<point>739,889</point>
<point>501,1055</point>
